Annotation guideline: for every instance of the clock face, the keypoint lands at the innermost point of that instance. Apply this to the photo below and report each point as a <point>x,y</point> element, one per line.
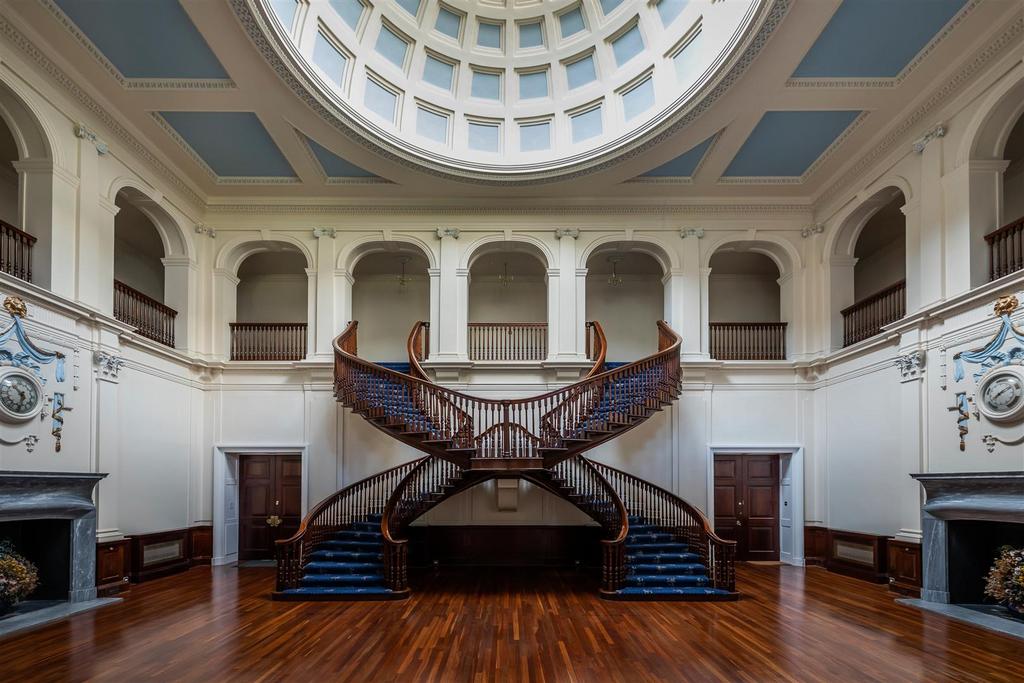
<point>19,394</point>
<point>1003,393</point>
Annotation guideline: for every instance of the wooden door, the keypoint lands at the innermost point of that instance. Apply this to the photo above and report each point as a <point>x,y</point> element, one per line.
<point>270,502</point>
<point>747,504</point>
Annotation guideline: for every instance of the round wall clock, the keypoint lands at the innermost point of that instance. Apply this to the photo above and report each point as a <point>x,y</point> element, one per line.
<point>21,395</point>
<point>1001,394</point>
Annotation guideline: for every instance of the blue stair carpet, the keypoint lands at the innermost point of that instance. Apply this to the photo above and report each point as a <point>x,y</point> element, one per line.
<point>658,565</point>
<point>350,563</point>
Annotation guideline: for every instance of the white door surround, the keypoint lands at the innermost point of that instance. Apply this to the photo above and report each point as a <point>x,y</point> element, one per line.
<point>791,493</point>
<point>225,492</point>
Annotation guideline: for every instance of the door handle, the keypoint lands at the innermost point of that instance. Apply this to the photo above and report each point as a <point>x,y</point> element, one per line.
<point>739,522</point>
<point>273,520</point>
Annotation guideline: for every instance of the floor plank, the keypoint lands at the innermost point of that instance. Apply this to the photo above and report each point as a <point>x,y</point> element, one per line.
<point>523,625</point>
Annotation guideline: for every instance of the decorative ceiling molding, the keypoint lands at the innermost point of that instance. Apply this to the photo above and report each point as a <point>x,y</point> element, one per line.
<point>1007,39</point>
<point>377,210</point>
<point>258,30</point>
<point>61,78</point>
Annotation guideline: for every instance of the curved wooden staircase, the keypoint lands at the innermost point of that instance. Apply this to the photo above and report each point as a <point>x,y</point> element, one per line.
<point>354,544</point>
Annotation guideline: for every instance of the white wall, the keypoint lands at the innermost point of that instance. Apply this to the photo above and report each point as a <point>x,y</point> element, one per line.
<point>743,299</point>
<point>8,195</point>
<point>880,269</point>
<point>628,313</point>
<point>386,313</point>
<point>522,301</point>
<point>272,299</point>
<point>1013,192</point>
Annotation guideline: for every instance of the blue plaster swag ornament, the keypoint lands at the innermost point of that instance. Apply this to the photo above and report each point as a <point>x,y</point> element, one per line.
<point>991,356</point>
<point>30,357</point>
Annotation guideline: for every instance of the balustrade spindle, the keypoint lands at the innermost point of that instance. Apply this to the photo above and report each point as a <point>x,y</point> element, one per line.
<point>1006,249</point>
<point>748,341</point>
<point>866,318</point>
<point>269,342</point>
<point>507,341</point>
<point>16,252</point>
<point>149,317</point>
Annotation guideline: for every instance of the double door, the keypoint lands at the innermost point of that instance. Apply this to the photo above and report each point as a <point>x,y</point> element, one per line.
<point>270,502</point>
<point>747,504</point>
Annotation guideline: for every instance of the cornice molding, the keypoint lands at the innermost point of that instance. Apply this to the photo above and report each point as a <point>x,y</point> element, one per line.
<point>1007,39</point>
<point>111,123</point>
<point>377,210</point>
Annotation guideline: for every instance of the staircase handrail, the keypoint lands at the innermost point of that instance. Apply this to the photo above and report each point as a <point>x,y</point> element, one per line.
<point>414,348</point>
<point>717,553</point>
<point>600,349</point>
<point>326,517</point>
<point>463,417</point>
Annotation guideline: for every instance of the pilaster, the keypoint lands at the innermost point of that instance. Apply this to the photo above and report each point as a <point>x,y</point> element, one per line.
<point>323,321</point>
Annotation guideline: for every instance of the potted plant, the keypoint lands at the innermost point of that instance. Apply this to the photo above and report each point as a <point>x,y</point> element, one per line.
<point>1005,581</point>
<point>18,577</point>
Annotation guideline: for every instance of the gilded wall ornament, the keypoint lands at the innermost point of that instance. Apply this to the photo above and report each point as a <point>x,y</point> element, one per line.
<point>16,307</point>
<point>1005,305</point>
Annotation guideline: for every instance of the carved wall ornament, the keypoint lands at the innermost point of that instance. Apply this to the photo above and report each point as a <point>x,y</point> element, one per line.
<point>963,416</point>
<point>691,232</point>
<point>324,232</point>
<point>935,133</point>
<point>990,442</point>
<point>566,232</point>
<point>30,441</point>
<point>448,232</point>
<point>911,365</point>
<point>203,230</point>
<point>16,307</point>
<point>108,364</point>
<point>816,229</point>
<point>1005,305</point>
<point>57,426</point>
<point>83,132</point>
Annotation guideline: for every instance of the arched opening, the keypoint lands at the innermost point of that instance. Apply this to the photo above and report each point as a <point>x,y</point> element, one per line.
<point>139,279</point>
<point>507,309</point>
<point>626,296</point>
<point>879,272</point>
<point>26,195</point>
<point>745,305</point>
<point>271,305</point>
<point>1005,245</point>
<point>390,294</point>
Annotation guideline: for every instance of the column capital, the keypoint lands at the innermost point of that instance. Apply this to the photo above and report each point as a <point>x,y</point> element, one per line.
<point>811,230</point>
<point>936,132</point>
<point>691,232</point>
<point>324,232</point>
<point>83,132</point>
<point>448,232</point>
<point>574,233</point>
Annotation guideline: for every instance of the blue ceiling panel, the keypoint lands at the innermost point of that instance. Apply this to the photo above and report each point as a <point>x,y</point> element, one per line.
<point>145,38</point>
<point>786,143</point>
<point>334,166</point>
<point>684,165</point>
<point>875,38</point>
<point>232,143</point>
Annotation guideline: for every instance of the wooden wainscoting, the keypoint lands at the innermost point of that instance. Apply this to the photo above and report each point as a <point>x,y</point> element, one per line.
<point>815,545</point>
<point>905,567</point>
<point>200,545</point>
<point>113,566</point>
<point>505,546</point>
<point>159,554</point>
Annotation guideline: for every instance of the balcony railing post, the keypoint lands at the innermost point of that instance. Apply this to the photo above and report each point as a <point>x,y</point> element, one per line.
<point>16,252</point>
<point>866,318</point>
<point>150,318</point>
<point>748,341</point>
<point>268,341</point>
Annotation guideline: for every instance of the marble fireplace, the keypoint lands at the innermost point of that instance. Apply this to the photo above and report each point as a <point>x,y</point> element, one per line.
<point>966,518</point>
<point>51,519</point>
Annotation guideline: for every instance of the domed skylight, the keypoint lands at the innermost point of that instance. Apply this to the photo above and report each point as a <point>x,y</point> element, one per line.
<point>533,88</point>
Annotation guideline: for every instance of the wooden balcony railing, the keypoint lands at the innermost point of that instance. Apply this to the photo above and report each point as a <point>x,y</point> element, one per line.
<point>748,341</point>
<point>16,252</point>
<point>268,341</point>
<point>150,318</point>
<point>508,341</point>
<point>866,318</point>
<point>1006,250</point>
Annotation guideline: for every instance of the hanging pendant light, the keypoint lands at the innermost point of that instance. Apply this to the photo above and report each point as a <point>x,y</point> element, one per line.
<point>614,280</point>
<point>403,279</point>
<point>505,279</point>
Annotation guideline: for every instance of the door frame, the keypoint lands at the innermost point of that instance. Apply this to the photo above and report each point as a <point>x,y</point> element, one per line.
<point>791,489</point>
<point>225,492</point>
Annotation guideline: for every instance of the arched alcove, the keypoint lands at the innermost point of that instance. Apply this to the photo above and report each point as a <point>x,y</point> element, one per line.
<point>390,293</point>
<point>271,304</point>
<point>626,295</point>
<point>27,195</point>
<point>881,250</point>
<point>507,303</point>
<point>749,302</point>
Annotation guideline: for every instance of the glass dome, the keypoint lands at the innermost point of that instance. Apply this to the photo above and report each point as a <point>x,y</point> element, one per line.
<point>509,90</point>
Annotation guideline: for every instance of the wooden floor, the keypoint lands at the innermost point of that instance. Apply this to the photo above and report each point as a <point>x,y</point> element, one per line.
<point>523,625</point>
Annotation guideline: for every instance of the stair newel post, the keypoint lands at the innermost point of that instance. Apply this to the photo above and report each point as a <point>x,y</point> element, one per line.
<point>506,434</point>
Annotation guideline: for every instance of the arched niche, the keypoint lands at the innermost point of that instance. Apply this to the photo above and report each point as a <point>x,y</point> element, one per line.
<point>28,193</point>
<point>625,293</point>
<point>265,288</point>
<point>750,300</point>
<point>868,259</point>
<point>984,203</point>
<point>390,293</point>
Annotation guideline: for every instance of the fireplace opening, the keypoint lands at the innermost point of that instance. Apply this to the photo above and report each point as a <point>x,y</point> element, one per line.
<point>973,547</point>
<point>46,543</point>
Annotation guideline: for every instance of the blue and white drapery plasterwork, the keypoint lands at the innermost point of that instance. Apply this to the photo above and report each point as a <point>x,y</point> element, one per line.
<point>991,355</point>
<point>30,357</point>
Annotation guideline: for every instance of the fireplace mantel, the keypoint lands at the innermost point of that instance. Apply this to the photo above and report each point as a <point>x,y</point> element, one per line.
<point>956,496</point>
